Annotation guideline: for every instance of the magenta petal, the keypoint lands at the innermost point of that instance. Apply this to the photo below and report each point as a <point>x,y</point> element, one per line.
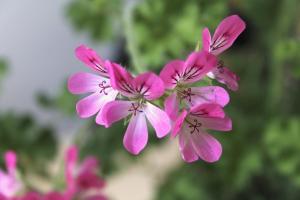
<point>206,146</point>
<point>149,85</point>
<point>171,73</point>
<point>208,110</point>
<point>209,94</point>
<point>158,119</point>
<point>115,111</point>
<point>206,40</point>
<point>89,57</point>
<point>186,148</point>
<point>11,162</point>
<point>197,65</point>
<point>172,106</point>
<point>84,83</point>
<point>227,77</point>
<point>219,124</point>
<point>226,33</point>
<point>136,135</point>
<point>179,123</point>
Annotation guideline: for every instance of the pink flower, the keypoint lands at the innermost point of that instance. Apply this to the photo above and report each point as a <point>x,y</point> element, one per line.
<point>178,75</point>
<point>9,184</point>
<point>98,85</point>
<point>81,178</point>
<point>194,141</point>
<point>140,91</point>
<point>226,33</point>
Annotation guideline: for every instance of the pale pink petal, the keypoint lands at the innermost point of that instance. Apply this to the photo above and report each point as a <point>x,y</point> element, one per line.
<point>227,77</point>
<point>208,94</point>
<point>121,79</point>
<point>218,124</point>
<point>207,110</point>
<point>149,85</point>
<point>186,148</point>
<point>206,40</point>
<point>171,73</point>
<point>136,135</point>
<point>92,104</point>
<point>206,146</point>
<point>172,106</point>
<point>177,126</point>
<point>115,111</point>
<point>89,57</point>
<point>197,65</point>
<point>158,119</point>
<point>226,33</point>
<point>85,82</point>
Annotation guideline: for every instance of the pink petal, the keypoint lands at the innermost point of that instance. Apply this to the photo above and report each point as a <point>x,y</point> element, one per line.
<point>209,94</point>
<point>70,163</point>
<point>171,73</point>
<point>186,148</point>
<point>172,106</point>
<point>85,82</point>
<point>226,33</point>
<point>89,180</point>
<point>96,197</point>
<point>219,124</point>
<point>55,196</point>
<point>92,104</point>
<point>136,135</point>
<point>149,85</point>
<point>206,146</point>
<point>89,57</point>
<point>89,164</point>
<point>115,111</point>
<point>121,80</point>
<point>208,110</point>
<point>179,123</point>
<point>11,162</point>
<point>158,119</point>
<point>197,65</point>
<point>227,77</point>
<point>206,40</point>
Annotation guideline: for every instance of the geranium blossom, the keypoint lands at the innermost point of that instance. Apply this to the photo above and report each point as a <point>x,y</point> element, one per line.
<point>178,76</point>
<point>139,91</point>
<point>98,85</point>
<point>9,183</point>
<point>191,128</point>
<point>226,33</point>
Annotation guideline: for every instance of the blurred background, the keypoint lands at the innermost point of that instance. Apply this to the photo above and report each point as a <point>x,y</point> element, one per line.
<point>37,114</point>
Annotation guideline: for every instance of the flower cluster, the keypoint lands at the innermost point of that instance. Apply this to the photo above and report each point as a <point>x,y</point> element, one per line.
<point>188,111</point>
<point>82,181</point>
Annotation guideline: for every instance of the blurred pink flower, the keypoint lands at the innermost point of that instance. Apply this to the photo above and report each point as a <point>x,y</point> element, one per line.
<point>9,184</point>
<point>226,33</point>
<point>178,75</point>
<point>140,90</point>
<point>194,141</point>
<point>98,85</point>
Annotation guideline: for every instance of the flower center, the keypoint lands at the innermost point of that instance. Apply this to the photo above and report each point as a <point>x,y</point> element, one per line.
<point>135,108</point>
<point>104,87</point>
<point>194,126</point>
<point>186,94</point>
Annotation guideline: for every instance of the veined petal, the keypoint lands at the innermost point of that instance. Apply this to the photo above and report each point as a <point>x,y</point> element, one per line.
<point>208,94</point>
<point>89,57</point>
<point>197,65</point>
<point>207,110</point>
<point>179,123</point>
<point>136,136</point>
<point>206,146</point>
<point>206,39</point>
<point>227,77</point>
<point>171,105</point>
<point>92,104</point>
<point>149,85</point>
<point>115,111</point>
<point>226,33</point>
<point>158,119</point>
<point>171,73</point>
<point>85,82</point>
<point>219,124</point>
<point>186,148</point>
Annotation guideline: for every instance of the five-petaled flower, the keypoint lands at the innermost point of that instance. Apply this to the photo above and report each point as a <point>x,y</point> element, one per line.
<point>226,33</point>
<point>191,126</point>
<point>178,76</point>
<point>139,91</point>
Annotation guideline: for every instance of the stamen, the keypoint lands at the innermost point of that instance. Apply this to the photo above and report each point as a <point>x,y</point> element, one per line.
<point>195,126</point>
<point>103,87</point>
<point>135,108</point>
